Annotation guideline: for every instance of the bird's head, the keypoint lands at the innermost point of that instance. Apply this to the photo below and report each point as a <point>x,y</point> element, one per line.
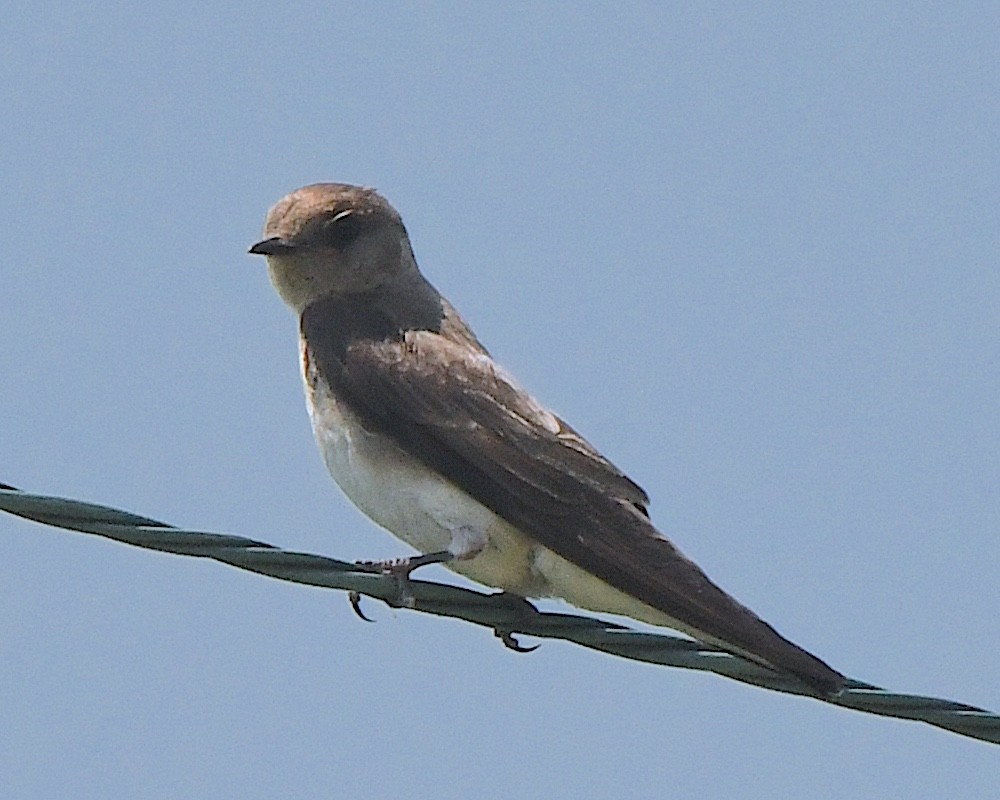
<point>333,238</point>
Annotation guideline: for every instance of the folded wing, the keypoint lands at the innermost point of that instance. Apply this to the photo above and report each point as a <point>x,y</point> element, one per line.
<point>453,408</point>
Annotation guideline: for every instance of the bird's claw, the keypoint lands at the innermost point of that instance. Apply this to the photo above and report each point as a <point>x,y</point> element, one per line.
<point>355,599</point>
<point>511,643</point>
<point>399,570</point>
<point>516,603</point>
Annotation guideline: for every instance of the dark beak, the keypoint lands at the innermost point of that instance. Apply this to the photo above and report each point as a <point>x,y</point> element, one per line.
<point>275,246</point>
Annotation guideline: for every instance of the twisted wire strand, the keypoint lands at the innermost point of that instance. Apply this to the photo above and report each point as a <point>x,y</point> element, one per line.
<point>505,615</point>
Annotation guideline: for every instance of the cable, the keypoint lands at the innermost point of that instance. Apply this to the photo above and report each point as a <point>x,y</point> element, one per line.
<point>504,614</point>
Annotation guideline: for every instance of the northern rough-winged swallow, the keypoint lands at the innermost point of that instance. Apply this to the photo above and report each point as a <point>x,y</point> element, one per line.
<point>437,443</point>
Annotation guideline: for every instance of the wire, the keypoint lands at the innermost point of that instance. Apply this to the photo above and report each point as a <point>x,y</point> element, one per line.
<point>504,614</point>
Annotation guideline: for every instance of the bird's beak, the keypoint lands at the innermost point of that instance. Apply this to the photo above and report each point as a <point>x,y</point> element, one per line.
<point>275,246</point>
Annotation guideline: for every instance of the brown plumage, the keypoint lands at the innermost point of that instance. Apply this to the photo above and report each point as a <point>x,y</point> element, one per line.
<point>394,353</point>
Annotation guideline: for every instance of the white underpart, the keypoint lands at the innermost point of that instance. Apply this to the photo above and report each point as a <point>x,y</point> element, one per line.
<point>432,514</point>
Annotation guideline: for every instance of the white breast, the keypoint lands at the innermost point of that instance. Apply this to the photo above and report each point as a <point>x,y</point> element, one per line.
<point>415,504</point>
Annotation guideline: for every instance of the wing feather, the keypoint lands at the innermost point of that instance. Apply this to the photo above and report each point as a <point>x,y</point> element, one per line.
<point>452,407</point>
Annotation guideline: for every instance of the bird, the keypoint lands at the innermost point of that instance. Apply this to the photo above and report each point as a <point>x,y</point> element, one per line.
<point>437,443</point>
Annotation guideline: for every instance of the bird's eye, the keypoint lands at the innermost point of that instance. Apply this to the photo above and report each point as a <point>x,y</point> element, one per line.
<point>341,230</point>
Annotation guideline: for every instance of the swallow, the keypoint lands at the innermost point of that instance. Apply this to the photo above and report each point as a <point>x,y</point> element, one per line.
<point>437,443</point>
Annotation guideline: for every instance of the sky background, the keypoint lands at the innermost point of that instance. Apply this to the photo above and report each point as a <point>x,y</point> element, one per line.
<point>749,250</point>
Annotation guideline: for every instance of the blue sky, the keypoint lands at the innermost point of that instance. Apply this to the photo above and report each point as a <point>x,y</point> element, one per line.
<point>750,251</point>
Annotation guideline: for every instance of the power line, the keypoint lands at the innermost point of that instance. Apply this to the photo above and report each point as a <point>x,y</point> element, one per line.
<point>505,615</point>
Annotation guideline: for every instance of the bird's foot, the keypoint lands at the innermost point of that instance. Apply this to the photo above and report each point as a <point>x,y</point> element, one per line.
<point>524,608</point>
<point>399,569</point>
